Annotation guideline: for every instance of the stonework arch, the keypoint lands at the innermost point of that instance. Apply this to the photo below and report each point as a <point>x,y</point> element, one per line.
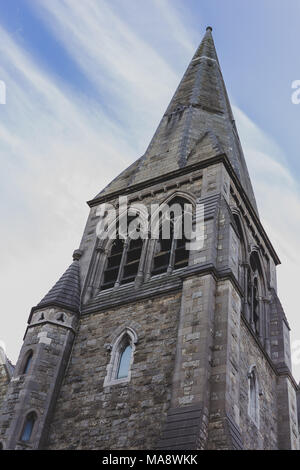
<point>127,336</point>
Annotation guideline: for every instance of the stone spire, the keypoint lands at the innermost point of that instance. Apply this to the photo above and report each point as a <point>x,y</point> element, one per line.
<point>66,292</point>
<point>197,125</point>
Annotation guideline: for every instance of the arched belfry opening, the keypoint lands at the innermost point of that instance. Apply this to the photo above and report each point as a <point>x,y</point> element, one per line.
<point>170,250</point>
<point>123,257</point>
<point>242,251</point>
<point>255,295</point>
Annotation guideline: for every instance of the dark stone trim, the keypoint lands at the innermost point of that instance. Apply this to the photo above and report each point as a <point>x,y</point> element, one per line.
<point>157,285</point>
<point>154,181</point>
<point>234,433</point>
<point>181,428</point>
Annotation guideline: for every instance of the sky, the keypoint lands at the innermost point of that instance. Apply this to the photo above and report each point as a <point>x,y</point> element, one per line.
<point>87,83</point>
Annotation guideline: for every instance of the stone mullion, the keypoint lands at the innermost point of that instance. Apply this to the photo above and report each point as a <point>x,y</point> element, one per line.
<point>98,271</point>
<point>93,273</point>
<point>172,256</point>
<point>149,261</point>
<point>140,274</point>
<point>251,305</point>
<point>123,260</point>
<point>261,312</point>
<point>267,329</point>
<point>246,305</point>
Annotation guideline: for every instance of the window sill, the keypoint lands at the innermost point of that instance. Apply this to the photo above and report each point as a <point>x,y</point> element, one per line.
<point>116,382</point>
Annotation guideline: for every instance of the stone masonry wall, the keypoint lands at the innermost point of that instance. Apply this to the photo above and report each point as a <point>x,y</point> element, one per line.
<point>128,415</point>
<point>34,391</point>
<point>264,437</point>
<point>4,381</point>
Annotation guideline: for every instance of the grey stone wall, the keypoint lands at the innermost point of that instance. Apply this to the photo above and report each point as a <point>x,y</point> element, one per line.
<point>123,416</point>
<point>265,435</point>
<point>50,341</point>
<point>4,382</point>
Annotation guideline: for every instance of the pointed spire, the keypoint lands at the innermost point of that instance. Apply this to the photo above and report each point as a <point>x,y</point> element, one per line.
<point>200,106</point>
<point>66,292</point>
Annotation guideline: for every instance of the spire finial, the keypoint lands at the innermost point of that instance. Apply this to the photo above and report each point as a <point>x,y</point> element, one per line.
<point>209,28</point>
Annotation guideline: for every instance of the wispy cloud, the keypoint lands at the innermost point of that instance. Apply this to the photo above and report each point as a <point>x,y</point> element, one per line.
<point>55,145</point>
<point>114,58</point>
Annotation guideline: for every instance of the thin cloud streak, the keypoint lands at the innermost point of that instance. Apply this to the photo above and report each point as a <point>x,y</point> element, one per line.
<point>56,145</point>
<point>110,54</point>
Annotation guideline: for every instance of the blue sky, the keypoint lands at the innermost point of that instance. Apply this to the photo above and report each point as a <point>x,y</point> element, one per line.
<point>87,83</point>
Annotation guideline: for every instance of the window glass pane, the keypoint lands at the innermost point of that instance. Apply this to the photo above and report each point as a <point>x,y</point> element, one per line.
<point>27,365</point>
<point>124,363</point>
<point>113,265</point>
<point>28,429</point>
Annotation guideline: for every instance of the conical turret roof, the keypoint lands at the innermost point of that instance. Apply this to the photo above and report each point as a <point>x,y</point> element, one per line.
<point>66,292</point>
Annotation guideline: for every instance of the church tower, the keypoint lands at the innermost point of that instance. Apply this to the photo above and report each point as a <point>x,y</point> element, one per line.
<point>146,344</point>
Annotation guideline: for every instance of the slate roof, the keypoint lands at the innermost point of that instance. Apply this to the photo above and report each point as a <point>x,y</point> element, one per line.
<point>66,292</point>
<point>197,124</point>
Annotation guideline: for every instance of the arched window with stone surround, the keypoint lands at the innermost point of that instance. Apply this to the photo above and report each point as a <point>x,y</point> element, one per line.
<point>122,262</point>
<point>121,357</point>
<point>255,295</point>
<point>28,427</point>
<point>170,252</point>
<point>124,360</point>
<point>253,395</point>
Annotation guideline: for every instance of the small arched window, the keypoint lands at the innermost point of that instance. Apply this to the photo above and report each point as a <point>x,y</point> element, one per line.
<point>124,362</point>
<point>28,427</point>
<point>121,360</point>
<point>27,364</point>
<point>253,395</point>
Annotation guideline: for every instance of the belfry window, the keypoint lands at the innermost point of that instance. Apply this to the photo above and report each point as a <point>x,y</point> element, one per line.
<point>113,264</point>
<point>162,255</point>
<point>27,363</point>
<point>170,250</point>
<point>255,289</point>
<point>122,262</point>
<point>28,427</point>
<point>241,256</point>
<point>131,266</point>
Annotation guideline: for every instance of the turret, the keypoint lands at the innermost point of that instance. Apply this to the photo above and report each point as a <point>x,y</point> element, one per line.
<point>32,392</point>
